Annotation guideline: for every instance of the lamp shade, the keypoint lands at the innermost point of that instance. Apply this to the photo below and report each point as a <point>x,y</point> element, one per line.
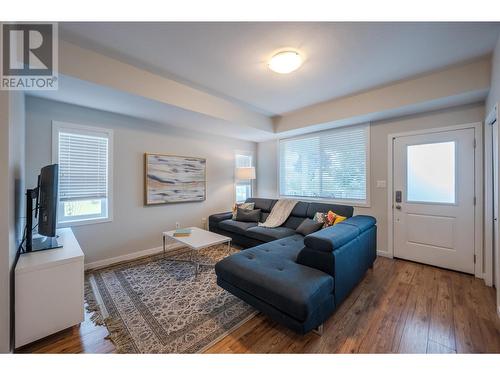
<point>245,173</point>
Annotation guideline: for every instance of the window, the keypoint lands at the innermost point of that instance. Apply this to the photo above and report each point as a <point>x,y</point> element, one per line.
<point>329,165</point>
<point>431,172</point>
<point>84,156</point>
<point>243,188</point>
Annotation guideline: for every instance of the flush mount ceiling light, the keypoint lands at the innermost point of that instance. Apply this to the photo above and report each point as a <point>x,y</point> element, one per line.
<point>285,62</point>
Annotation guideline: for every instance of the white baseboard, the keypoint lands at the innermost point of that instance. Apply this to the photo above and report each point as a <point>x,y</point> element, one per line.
<point>131,256</point>
<point>383,253</point>
<point>486,279</point>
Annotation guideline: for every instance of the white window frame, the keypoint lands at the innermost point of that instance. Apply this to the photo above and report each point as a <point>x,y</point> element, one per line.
<point>57,127</point>
<point>354,203</point>
<point>252,164</point>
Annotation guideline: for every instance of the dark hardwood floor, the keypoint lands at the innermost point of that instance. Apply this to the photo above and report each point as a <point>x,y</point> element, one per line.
<point>399,307</point>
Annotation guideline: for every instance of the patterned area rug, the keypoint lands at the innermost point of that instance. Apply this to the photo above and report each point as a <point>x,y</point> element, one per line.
<point>157,305</point>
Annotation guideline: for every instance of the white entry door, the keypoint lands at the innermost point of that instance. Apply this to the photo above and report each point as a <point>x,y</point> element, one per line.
<point>433,198</point>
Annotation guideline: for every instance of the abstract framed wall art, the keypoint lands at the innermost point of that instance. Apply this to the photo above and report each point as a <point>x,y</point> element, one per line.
<point>174,179</point>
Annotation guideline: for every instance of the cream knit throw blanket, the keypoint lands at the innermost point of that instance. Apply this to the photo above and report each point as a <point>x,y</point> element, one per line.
<point>280,212</point>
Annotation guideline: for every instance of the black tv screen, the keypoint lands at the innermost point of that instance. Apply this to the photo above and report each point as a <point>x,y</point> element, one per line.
<point>48,187</point>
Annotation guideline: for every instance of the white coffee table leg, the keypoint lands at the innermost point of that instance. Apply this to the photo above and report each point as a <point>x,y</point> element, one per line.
<point>195,262</point>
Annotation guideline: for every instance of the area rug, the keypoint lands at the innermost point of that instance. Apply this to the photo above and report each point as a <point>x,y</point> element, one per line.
<point>158,305</point>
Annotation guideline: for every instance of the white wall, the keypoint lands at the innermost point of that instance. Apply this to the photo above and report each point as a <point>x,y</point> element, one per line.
<point>267,169</point>
<point>456,85</point>
<point>267,183</point>
<point>494,94</point>
<point>135,227</point>
<point>11,205</point>
<point>4,224</point>
<point>17,200</point>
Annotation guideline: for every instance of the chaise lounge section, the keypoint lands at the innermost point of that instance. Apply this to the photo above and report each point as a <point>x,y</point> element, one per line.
<point>297,281</point>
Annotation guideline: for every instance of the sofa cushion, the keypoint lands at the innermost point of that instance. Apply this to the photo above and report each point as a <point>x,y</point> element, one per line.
<point>249,216</point>
<point>264,204</point>
<point>362,222</point>
<point>299,213</point>
<point>293,222</point>
<point>333,237</point>
<point>269,234</point>
<point>269,272</point>
<point>217,218</point>
<point>325,207</point>
<point>234,226</point>
<point>300,209</point>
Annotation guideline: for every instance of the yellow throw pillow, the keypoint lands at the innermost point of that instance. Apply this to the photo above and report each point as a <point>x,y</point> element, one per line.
<point>332,218</point>
<point>339,219</point>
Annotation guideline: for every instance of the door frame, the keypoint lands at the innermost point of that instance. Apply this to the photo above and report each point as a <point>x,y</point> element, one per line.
<point>478,188</point>
<point>488,197</point>
<point>494,252</point>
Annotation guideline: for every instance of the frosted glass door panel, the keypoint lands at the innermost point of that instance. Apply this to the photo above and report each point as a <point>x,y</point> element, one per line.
<point>431,173</point>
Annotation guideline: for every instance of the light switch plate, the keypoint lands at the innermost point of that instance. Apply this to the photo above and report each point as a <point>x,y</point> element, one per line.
<point>381,184</point>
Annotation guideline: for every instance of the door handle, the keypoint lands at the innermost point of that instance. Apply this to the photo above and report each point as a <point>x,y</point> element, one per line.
<point>398,196</point>
<point>398,207</point>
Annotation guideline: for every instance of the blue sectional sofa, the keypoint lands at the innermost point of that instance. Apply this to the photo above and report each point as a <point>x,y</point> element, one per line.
<point>297,281</point>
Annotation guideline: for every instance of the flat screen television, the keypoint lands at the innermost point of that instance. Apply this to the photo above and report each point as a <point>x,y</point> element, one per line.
<point>45,210</point>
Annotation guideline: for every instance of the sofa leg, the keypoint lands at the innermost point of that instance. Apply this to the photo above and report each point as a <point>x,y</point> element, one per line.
<point>319,330</point>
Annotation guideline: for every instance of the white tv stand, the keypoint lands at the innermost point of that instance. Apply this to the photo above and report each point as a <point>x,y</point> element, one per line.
<point>49,290</point>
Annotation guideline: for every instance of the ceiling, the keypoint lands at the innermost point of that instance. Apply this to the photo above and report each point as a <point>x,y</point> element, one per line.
<point>83,93</point>
<point>229,59</point>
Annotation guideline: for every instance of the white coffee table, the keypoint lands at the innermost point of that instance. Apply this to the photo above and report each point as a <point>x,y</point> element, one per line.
<point>197,240</point>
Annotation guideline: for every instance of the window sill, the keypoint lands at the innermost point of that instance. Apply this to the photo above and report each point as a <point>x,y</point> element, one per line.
<point>69,224</point>
<point>329,201</point>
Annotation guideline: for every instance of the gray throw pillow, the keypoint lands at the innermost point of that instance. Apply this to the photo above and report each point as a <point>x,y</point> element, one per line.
<point>308,226</point>
<point>247,215</point>
<point>246,206</point>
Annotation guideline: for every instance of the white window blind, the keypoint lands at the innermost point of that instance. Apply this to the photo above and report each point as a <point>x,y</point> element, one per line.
<point>83,166</point>
<point>243,160</point>
<point>326,165</point>
<point>85,158</point>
